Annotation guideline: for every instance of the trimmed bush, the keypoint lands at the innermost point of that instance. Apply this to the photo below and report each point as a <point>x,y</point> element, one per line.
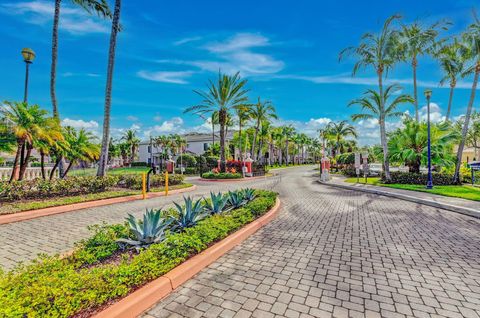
<point>134,181</point>
<point>139,164</point>
<point>419,178</point>
<point>188,170</point>
<point>40,189</point>
<point>221,175</point>
<point>187,160</point>
<point>212,160</point>
<point>54,287</point>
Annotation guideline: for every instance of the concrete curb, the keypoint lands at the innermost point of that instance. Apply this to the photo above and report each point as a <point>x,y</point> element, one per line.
<point>147,296</point>
<point>454,208</point>
<point>233,180</point>
<point>33,214</point>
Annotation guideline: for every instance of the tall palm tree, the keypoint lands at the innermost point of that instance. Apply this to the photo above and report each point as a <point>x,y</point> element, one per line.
<point>340,130</point>
<point>379,51</point>
<point>130,137</point>
<point>243,112</point>
<point>179,144</point>
<point>29,124</point>
<point>452,63</point>
<point>102,163</point>
<point>100,7</point>
<point>165,143</point>
<point>261,111</point>
<point>376,106</point>
<point>223,96</point>
<point>81,147</point>
<point>471,40</point>
<point>416,40</point>
<point>287,133</point>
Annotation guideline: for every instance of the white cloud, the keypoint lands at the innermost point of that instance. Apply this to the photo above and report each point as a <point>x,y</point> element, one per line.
<point>173,125</point>
<point>436,115</point>
<point>70,74</point>
<point>74,20</point>
<point>166,77</point>
<point>132,118</point>
<point>78,124</point>
<point>187,40</point>
<point>238,42</point>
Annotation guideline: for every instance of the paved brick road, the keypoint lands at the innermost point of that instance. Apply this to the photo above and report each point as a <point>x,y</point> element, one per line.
<point>23,241</point>
<point>338,253</point>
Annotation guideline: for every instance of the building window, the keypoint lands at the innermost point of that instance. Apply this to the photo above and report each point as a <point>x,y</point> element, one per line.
<point>205,146</point>
<point>149,161</point>
<point>149,149</point>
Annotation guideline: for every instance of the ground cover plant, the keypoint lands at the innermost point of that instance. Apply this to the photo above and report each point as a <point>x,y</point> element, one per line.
<point>222,175</point>
<point>101,270</point>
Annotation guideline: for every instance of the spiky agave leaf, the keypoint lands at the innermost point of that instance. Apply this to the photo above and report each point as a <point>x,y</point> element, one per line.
<point>190,213</point>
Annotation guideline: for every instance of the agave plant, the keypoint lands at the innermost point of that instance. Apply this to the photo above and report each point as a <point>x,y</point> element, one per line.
<point>190,213</point>
<point>150,230</point>
<point>217,204</point>
<point>236,199</point>
<point>249,194</point>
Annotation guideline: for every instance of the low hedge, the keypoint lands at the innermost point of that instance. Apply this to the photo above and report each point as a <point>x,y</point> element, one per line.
<point>40,189</point>
<point>221,175</point>
<point>139,164</point>
<point>188,170</point>
<point>55,287</point>
<point>419,178</point>
<point>134,181</point>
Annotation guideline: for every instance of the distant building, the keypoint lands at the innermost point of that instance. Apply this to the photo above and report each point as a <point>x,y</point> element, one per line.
<point>197,144</point>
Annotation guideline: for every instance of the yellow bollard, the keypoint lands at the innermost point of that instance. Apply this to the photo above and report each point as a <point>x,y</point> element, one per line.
<point>166,183</point>
<point>144,185</point>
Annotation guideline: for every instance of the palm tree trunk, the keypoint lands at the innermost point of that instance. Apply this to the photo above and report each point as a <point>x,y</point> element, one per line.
<point>70,164</point>
<point>53,70</point>
<point>456,176</point>
<point>20,143</point>
<point>222,119</point>
<point>52,172</point>
<point>383,133</point>
<point>450,98</point>
<point>42,163</point>
<point>102,165</point>
<point>23,168</point>
<point>213,132</point>
<point>257,127</point>
<point>415,93</point>
<point>287,157</point>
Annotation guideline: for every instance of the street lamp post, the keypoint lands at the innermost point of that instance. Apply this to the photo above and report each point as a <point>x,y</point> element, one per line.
<point>28,56</point>
<point>428,95</point>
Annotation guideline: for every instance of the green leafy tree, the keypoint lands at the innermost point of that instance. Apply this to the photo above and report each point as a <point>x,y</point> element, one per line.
<point>130,138</point>
<point>223,96</point>
<point>82,147</point>
<point>339,131</point>
<point>262,111</point>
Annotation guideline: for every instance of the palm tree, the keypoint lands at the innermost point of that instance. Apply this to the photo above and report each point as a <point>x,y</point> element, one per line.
<point>81,147</point>
<point>102,164</point>
<point>416,40</point>
<point>243,112</point>
<point>471,40</point>
<point>375,106</point>
<point>179,144</point>
<point>223,96</point>
<point>131,139</point>
<point>340,130</point>
<point>165,143</point>
<point>100,7</point>
<point>473,135</point>
<point>379,51</point>
<point>29,124</point>
<point>287,133</point>
<point>452,63</point>
<point>261,111</point>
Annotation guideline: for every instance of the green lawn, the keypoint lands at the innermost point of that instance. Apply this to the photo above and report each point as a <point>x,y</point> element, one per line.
<point>464,191</point>
<point>115,171</point>
<point>14,207</point>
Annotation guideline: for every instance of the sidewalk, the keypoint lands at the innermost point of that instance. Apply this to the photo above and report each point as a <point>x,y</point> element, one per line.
<point>468,207</point>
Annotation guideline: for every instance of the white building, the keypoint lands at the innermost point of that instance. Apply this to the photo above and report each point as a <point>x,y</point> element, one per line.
<point>197,143</point>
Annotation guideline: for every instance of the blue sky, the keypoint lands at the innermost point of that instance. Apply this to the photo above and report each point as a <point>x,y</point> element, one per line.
<point>288,51</point>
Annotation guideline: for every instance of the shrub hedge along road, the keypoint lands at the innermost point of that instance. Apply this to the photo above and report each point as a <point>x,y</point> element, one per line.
<point>221,175</point>
<point>54,287</point>
<point>420,178</point>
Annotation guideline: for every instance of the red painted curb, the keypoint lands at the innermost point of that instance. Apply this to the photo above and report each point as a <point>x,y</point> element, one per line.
<point>144,298</point>
<point>33,214</point>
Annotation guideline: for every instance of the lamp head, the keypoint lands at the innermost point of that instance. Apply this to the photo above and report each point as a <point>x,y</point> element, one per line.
<point>28,55</point>
<point>428,93</point>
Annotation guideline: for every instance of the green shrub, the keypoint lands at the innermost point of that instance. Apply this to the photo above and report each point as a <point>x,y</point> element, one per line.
<point>221,175</point>
<point>187,160</point>
<point>187,170</point>
<point>134,181</point>
<point>55,287</point>
<point>419,178</point>
<point>201,160</point>
<point>139,164</point>
<point>39,188</point>
<point>212,160</point>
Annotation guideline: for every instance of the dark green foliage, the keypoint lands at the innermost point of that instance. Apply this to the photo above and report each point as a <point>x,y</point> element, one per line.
<point>54,287</point>
<point>221,175</point>
<point>187,160</point>
<point>190,213</point>
<point>212,160</point>
<point>134,181</point>
<point>139,164</point>
<point>236,199</point>
<point>419,178</point>
<point>187,171</point>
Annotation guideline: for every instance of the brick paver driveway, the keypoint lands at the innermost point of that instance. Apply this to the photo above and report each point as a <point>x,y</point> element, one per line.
<point>338,253</point>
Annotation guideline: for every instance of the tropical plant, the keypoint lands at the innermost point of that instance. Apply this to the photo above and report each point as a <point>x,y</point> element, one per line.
<point>473,135</point>
<point>416,40</point>
<point>381,108</point>
<point>102,163</point>
<point>7,137</point>
<point>100,7</point>
<point>379,51</point>
<point>408,145</point>
<point>81,146</point>
<point>236,199</point>
<point>223,96</point>
<point>189,214</point>
<point>471,40</point>
<point>340,130</point>
<point>131,139</point>
<point>217,203</point>
<point>286,134</point>
<point>249,194</point>
<point>262,111</point>
<point>452,62</point>
<point>148,231</point>
<point>243,112</point>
